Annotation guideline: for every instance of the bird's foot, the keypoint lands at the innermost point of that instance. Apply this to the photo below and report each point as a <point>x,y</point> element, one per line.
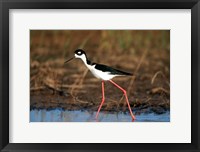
<point>133,118</point>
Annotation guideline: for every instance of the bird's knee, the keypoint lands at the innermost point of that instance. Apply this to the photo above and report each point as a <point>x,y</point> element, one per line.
<point>124,92</point>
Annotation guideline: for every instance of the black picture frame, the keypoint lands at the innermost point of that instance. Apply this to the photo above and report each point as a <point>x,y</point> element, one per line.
<point>5,5</point>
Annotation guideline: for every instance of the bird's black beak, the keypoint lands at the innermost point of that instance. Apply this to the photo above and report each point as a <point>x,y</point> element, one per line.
<point>69,59</point>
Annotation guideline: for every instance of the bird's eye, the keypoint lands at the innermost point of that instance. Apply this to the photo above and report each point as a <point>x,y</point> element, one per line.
<point>79,53</point>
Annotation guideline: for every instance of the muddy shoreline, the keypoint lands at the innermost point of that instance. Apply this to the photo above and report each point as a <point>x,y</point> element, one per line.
<point>51,99</point>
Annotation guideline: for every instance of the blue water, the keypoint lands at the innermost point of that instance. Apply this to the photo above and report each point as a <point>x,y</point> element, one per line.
<point>59,115</point>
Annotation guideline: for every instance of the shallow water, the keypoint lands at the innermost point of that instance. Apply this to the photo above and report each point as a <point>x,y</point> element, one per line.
<point>59,115</point>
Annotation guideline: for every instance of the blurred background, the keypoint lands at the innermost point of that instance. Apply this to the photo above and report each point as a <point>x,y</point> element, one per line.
<point>145,53</point>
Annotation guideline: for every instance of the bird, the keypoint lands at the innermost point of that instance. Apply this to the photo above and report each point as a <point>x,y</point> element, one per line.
<point>105,73</point>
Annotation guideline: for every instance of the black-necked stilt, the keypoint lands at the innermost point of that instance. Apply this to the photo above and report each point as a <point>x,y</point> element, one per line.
<point>105,73</point>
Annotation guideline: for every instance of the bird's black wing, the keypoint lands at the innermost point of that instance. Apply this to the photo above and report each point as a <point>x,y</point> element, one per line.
<point>111,70</point>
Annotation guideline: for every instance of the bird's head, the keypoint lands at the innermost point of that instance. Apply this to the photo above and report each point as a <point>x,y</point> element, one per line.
<point>79,53</point>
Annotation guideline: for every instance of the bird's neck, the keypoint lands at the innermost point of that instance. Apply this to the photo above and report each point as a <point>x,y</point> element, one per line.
<point>86,61</point>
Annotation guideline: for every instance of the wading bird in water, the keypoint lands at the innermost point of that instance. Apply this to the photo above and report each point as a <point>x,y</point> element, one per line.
<point>103,72</point>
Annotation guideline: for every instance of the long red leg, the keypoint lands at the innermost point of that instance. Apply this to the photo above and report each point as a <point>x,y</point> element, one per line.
<point>103,98</point>
<point>125,94</point>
